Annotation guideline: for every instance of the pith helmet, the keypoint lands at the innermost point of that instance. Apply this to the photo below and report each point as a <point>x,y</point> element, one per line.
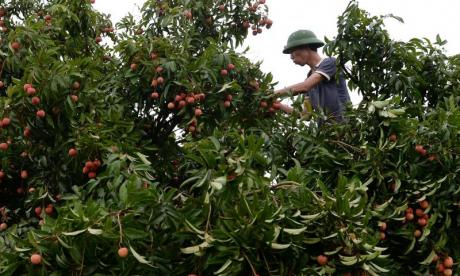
<point>300,38</point>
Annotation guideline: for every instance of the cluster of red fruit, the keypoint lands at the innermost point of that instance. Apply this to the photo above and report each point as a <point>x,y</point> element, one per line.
<point>3,216</point>
<point>263,22</point>
<point>2,20</point>
<point>91,167</point>
<point>383,228</point>
<point>276,105</point>
<point>423,152</point>
<point>49,210</point>
<point>422,217</point>
<point>75,87</point>
<point>225,71</point>
<point>31,92</point>
<point>444,266</point>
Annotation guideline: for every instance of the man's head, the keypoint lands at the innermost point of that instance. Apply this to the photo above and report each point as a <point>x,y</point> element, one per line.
<point>302,45</point>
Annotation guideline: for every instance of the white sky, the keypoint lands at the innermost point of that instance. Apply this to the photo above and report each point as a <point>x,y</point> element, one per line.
<point>423,18</point>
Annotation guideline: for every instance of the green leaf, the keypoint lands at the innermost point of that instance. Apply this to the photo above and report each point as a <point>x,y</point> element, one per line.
<point>140,258</point>
<point>223,267</point>
<point>74,233</point>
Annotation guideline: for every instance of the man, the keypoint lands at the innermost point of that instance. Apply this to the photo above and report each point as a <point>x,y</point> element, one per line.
<point>328,93</point>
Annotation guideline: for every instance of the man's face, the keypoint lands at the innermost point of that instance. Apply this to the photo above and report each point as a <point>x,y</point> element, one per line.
<point>300,56</point>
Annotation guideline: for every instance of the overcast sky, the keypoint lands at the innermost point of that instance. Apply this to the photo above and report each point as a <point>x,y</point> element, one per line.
<point>423,18</point>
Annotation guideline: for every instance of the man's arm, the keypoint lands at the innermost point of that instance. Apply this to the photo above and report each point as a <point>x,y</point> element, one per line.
<point>301,87</point>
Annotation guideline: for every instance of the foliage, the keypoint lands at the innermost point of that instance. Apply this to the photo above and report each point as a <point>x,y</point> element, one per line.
<point>163,139</point>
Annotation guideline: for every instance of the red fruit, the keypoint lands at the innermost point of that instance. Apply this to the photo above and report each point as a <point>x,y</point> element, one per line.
<point>31,91</point>
<point>409,210</point>
<point>38,211</point>
<point>447,272</point>
<point>155,95</point>
<point>24,174</point>
<point>188,14</point>
<point>15,45</point>
<point>182,104</point>
<point>419,148</point>
<point>20,190</point>
<point>49,210</point>
<point>221,8</point>
<point>440,267</point>
<point>3,226</point>
<point>259,30</point>
<point>123,252</point>
<point>91,175</point>
<point>74,98</point>
<point>192,128</point>
<point>271,110</point>
<point>423,152</point>
<point>263,104</point>
<point>229,97</point>
<point>246,24</point>
<point>73,152</point>
<point>276,105</point>
<point>227,104</point>
<point>178,98</point>
<point>435,258</point>
<point>3,146</point>
<point>2,174</point>
<point>41,113</point>
<point>424,204</point>
<point>36,259</point>
<point>76,85</point>
<point>6,121</point>
<point>409,216</point>
<point>269,23</point>
<point>159,69</point>
<point>383,226</point>
<point>2,84</point>
<point>85,170</point>
<point>321,259</point>
<point>261,2</point>
<point>153,56</point>
<point>98,39</point>
<point>31,190</point>
<point>448,262</point>
<point>417,233</point>
<point>26,132</point>
<point>230,66</point>
<point>93,1</point>
<point>160,80</point>
<point>89,164</point>
<point>393,138</point>
<point>198,112</point>
<point>154,83</point>
<point>223,72</point>
<point>190,100</point>
<point>47,17</point>
<point>133,66</point>
<point>382,236</point>
<point>422,222</point>
<point>35,100</point>
<point>27,86</point>
<point>432,157</point>
<point>419,212</point>
<point>97,163</point>
<point>171,105</point>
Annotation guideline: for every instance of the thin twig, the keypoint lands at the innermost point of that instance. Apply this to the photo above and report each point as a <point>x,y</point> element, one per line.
<point>121,229</point>
<point>254,272</point>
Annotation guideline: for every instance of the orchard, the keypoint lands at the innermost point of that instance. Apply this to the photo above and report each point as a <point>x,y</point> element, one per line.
<point>154,147</point>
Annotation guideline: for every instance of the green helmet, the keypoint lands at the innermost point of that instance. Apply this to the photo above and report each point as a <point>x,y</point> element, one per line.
<point>300,38</point>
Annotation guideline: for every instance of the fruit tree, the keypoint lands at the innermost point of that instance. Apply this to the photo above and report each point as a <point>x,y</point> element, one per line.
<point>154,147</point>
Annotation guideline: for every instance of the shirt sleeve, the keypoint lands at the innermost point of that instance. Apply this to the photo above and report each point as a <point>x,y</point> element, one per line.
<point>327,68</point>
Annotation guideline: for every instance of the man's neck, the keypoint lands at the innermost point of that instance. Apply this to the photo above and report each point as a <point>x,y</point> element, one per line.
<point>314,61</point>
